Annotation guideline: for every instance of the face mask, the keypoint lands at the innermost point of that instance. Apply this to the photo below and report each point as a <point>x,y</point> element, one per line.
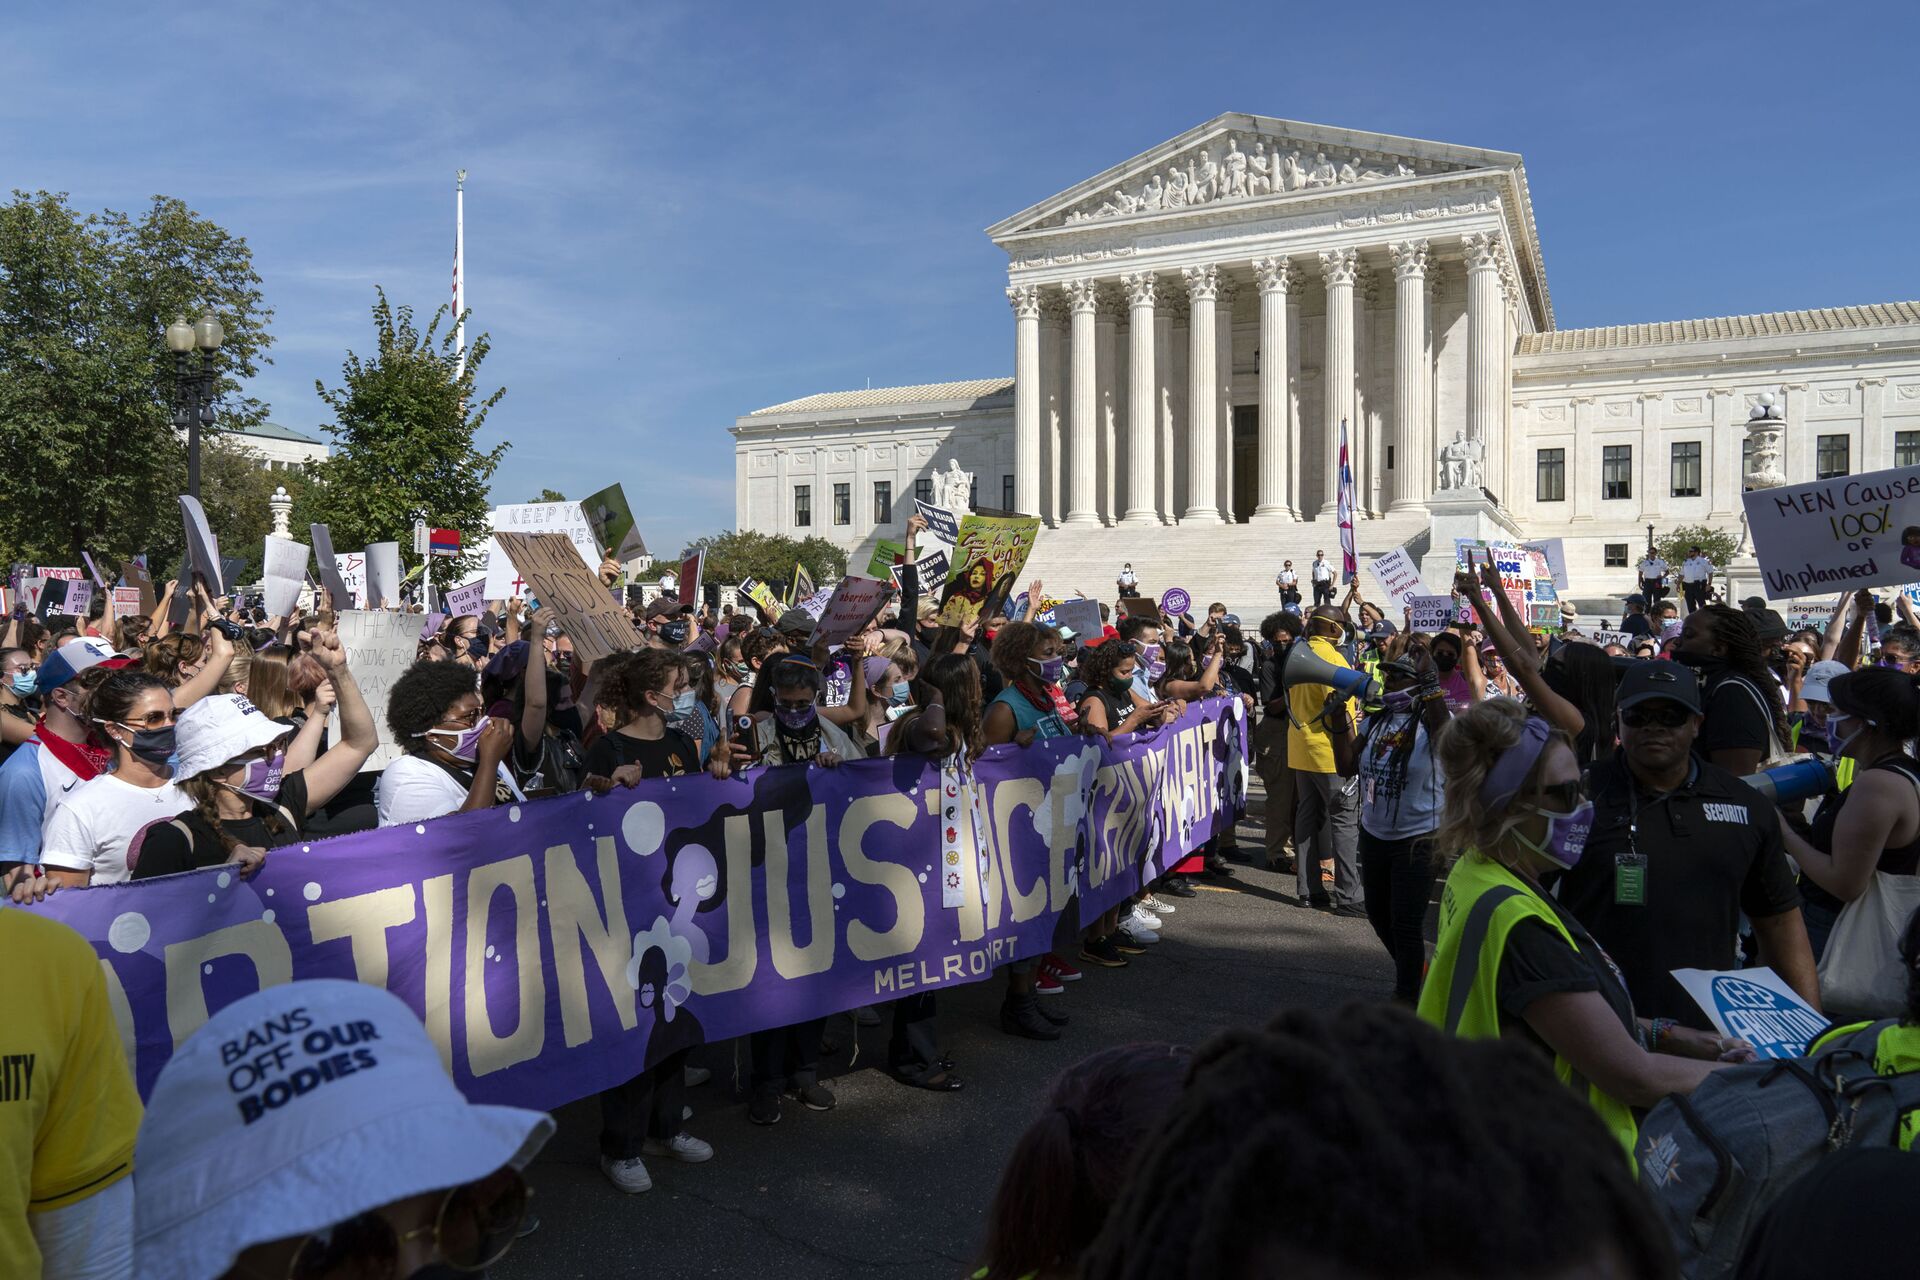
<point>1445,659</point>
<point>795,718</point>
<point>1150,655</point>
<point>262,778</point>
<point>26,682</point>
<point>466,742</point>
<point>154,746</point>
<point>902,694</point>
<point>1398,699</point>
<point>1051,669</point>
<point>1120,686</point>
<point>684,702</point>
<point>1844,731</point>
<point>1566,837</point>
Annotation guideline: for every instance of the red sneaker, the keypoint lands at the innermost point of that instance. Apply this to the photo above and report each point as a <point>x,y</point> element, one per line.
<point>1045,984</point>
<point>1057,965</point>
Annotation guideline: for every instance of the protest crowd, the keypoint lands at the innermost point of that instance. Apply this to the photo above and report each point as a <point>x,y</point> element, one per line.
<point>1558,828</point>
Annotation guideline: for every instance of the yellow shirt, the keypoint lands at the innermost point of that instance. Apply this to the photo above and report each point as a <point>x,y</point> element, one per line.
<point>68,1109</point>
<point>1309,749</point>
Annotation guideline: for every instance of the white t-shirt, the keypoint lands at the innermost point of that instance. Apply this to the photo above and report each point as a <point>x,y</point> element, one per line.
<point>412,790</point>
<point>1696,569</point>
<point>101,821</point>
<point>1287,578</point>
<point>1322,571</point>
<point>1653,567</point>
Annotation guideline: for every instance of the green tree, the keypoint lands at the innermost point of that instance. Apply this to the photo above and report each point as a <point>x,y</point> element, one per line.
<point>1719,545</point>
<point>235,489</point>
<point>745,553</point>
<point>548,495</point>
<point>86,384</point>
<point>403,433</point>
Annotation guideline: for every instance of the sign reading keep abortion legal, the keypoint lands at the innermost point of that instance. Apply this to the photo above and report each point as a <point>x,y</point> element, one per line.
<point>1839,534</point>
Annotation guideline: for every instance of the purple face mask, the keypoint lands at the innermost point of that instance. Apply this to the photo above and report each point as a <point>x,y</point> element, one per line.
<point>1566,837</point>
<point>466,744</point>
<point>1051,669</point>
<point>1398,699</point>
<point>262,778</point>
<point>796,718</point>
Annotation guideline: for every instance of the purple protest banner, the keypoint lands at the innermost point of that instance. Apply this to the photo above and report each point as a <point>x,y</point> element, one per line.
<point>554,948</point>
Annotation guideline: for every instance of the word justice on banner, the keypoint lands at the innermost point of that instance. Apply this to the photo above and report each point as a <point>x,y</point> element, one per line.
<point>1845,533</point>
<point>552,948</point>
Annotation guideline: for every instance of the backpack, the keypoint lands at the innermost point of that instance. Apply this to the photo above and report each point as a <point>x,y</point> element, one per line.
<point>1712,1161</point>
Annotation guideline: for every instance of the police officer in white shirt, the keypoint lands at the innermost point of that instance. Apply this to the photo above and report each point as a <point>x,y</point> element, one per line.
<point>1322,579</point>
<point>1653,578</point>
<point>1696,575</point>
<point>1289,583</point>
<point>1127,584</point>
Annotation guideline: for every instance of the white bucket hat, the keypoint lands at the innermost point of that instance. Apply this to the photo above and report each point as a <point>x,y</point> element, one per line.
<point>298,1107</point>
<point>216,729</point>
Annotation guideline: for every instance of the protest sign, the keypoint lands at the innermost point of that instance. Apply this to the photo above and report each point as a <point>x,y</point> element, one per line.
<point>1802,614</point>
<point>328,564</point>
<point>352,569</point>
<point>136,576</point>
<point>380,645</point>
<point>885,555</point>
<point>285,564</point>
<point>527,936</point>
<point>203,549</point>
<point>232,569</point>
<point>503,583</point>
<point>763,598</point>
<point>1851,531</point>
<point>468,601</point>
<point>1429,614</point>
<point>1755,1005</point>
<point>687,585</point>
<point>802,587</point>
<point>99,580</point>
<point>1555,552</point>
<point>1605,638</point>
<point>1398,576</point>
<point>852,605</point>
<point>941,523</point>
<point>126,602</point>
<point>38,595</point>
<point>51,572</point>
<point>1176,602</point>
<point>987,559</point>
<point>816,604</point>
<point>550,566</point>
<point>1138,607</point>
<point>1080,615</point>
<point>383,575</point>
<point>611,520</point>
<point>79,597</point>
<point>930,569</point>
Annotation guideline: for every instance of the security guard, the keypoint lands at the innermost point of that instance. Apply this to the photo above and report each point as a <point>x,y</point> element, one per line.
<point>1679,850</point>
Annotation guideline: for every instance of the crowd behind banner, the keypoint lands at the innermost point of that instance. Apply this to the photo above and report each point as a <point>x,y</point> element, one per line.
<point>576,840</point>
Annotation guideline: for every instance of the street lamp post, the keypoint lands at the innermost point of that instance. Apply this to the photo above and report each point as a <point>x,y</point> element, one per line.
<point>194,391</point>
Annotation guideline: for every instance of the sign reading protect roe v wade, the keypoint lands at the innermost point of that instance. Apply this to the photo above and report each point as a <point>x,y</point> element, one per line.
<point>1837,535</point>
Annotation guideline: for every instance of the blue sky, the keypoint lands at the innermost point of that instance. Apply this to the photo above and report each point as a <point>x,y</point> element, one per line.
<point>679,213</point>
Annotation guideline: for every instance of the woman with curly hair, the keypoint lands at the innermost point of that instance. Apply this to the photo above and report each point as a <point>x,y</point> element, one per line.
<point>192,666</point>
<point>452,751</point>
<point>1030,659</point>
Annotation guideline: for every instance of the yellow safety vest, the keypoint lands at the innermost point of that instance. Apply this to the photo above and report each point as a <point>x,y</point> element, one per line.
<point>1895,1052</point>
<point>1482,903</point>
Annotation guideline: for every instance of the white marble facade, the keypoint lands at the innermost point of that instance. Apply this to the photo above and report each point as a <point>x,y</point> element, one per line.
<point>1191,326</point>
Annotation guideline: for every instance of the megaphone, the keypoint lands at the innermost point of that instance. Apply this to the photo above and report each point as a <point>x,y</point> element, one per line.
<point>1304,666</point>
<point>1791,783</point>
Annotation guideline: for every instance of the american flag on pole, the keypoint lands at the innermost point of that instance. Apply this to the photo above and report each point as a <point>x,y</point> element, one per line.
<point>1343,513</point>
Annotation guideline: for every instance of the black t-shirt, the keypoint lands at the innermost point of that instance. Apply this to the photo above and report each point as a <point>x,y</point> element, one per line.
<point>667,756</point>
<point>1737,717</point>
<point>166,849</point>
<point>1538,962</point>
<point>1901,861</point>
<point>1713,850</point>
<point>1637,624</point>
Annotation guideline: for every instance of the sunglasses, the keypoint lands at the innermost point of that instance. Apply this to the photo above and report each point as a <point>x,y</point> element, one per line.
<point>1562,797</point>
<point>153,720</point>
<point>473,1229</point>
<point>1666,715</point>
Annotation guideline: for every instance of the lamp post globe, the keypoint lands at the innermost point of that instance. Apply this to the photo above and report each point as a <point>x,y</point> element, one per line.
<point>208,333</point>
<point>180,336</point>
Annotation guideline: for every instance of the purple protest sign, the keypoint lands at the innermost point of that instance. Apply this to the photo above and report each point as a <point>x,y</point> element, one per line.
<point>554,948</point>
<point>1176,602</point>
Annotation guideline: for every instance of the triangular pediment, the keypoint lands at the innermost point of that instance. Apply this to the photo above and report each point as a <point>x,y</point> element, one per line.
<point>1241,159</point>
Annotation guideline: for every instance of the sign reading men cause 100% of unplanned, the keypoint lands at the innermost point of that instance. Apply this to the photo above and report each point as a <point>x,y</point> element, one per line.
<point>560,580</point>
<point>1839,534</point>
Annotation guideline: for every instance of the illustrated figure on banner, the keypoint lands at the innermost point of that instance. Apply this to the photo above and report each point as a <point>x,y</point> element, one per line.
<point>953,489</point>
<point>1460,463</point>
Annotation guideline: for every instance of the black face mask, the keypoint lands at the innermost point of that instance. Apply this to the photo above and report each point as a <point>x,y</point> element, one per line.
<point>154,746</point>
<point>1445,659</point>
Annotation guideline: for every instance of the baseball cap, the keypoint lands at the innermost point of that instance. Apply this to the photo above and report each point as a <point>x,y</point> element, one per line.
<point>1816,685</point>
<point>1658,680</point>
<point>797,621</point>
<point>1636,598</point>
<point>298,1107</point>
<point>75,656</point>
<point>217,728</point>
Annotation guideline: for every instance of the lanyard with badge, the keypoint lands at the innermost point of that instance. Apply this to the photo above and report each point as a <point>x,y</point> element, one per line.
<point>1630,868</point>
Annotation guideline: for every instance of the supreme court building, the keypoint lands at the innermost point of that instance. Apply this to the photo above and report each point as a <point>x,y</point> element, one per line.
<point>1192,326</point>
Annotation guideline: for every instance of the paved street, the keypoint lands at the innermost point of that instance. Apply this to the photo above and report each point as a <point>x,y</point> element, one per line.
<point>895,1181</point>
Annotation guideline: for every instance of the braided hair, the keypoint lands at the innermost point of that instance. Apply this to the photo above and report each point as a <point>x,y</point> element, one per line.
<point>1367,1143</point>
<point>1741,650</point>
<point>1399,731</point>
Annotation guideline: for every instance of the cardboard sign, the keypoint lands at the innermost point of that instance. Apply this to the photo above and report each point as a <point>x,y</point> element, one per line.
<point>931,569</point>
<point>853,604</point>
<point>1429,614</point>
<point>1080,615</point>
<point>1398,576</point>
<point>1139,607</point>
<point>1555,551</point>
<point>285,564</point>
<point>1757,1006</point>
<point>551,568</point>
<point>885,556</point>
<point>203,549</point>
<point>328,563</point>
<point>688,583</point>
<point>611,520</point>
<point>380,645</point>
<point>352,569</point>
<point>1848,532</point>
<point>503,583</point>
<point>65,575</point>
<point>383,575</point>
<point>988,558</point>
<point>941,523</point>
<point>139,579</point>
<point>126,602</point>
<point>1176,602</point>
<point>469,601</point>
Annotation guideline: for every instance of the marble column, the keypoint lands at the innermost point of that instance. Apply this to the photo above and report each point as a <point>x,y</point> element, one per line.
<point>1164,424</point>
<point>1296,419</point>
<point>1106,363</point>
<point>1410,374</point>
<point>1054,362</point>
<point>1223,395</point>
<point>1486,343</point>
<point>1026,398</point>
<point>1203,286</point>
<point>1143,398</point>
<point>1277,279</point>
<point>1083,407</point>
<point>1338,268</point>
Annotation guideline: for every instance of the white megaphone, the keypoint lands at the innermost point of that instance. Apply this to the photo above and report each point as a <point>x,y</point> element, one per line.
<point>1304,666</point>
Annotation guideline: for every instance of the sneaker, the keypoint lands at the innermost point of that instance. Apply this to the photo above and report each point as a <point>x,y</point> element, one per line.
<point>1021,1017</point>
<point>1133,931</point>
<point>1051,1014</point>
<point>629,1175</point>
<point>697,1076</point>
<point>1177,887</point>
<point>816,1096</point>
<point>1056,964</point>
<point>1045,984</point>
<point>1157,906</point>
<point>1119,941</point>
<point>1102,952</point>
<point>683,1147</point>
<point>1146,919</point>
<point>765,1107</point>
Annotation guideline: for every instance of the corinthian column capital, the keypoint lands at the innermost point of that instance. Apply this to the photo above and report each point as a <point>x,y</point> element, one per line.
<point>1484,250</point>
<point>1276,275</point>
<point>1339,266</point>
<point>1083,295</point>
<point>1410,260</point>
<point>1203,283</point>
<point>1025,301</point>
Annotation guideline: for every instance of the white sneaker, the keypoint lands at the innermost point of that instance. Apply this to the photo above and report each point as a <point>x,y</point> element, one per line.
<point>684,1147</point>
<point>1158,906</point>
<point>697,1076</point>
<point>1146,919</point>
<point>1136,933</point>
<point>629,1176</point>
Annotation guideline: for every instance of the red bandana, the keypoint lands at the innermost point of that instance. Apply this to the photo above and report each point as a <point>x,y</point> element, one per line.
<point>86,760</point>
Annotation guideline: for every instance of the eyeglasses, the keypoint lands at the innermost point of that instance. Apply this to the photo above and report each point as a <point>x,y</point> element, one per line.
<point>1665,715</point>
<point>475,1226</point>
<point>465,720</point>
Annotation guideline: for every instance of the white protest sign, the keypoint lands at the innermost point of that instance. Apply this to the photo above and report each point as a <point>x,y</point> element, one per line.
<point>503,582</point>
<point>380,646</point>
<point>126,602</point>
<point>383,574</point>
<point>285,574</point>
<point>1428,614</point>
<point>203,549</point>
<point>1604,638</point>
<point>1757,1006</point>
<point>328,564</point>
<point>853,604</point>
<point>467,601</point>
<point>816,604</point>
<point>1802,614</point>
<point>1848,532</point>
<point>1554,549</point>
<point>1080,615</point>
<point>31,589</point>
<point>53,571</point>
<point>1398,576</point>
<point>351,566</point>
<point>79,596</point>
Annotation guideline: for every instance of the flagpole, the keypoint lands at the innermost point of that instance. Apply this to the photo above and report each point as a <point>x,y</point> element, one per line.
<point>460,272</point>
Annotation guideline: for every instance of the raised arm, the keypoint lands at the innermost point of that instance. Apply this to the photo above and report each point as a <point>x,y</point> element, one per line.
<point>533,711</point>
<point>358,737</point>
<point>213,669</point>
